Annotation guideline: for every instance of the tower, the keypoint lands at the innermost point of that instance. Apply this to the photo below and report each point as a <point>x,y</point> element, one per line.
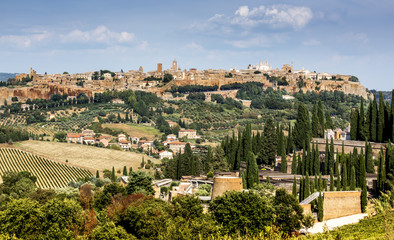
<point>174,65</point>
<point>159,67</point>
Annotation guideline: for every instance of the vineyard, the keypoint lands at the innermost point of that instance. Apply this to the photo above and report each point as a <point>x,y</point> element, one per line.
<point>49,174</point>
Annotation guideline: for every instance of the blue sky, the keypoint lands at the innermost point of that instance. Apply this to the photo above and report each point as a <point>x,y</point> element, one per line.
<point>349,37</point>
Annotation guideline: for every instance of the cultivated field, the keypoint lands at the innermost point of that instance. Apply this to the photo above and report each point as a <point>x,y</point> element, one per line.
<point>135,130</point>
<point>49,174</point>
<point>88,157</point>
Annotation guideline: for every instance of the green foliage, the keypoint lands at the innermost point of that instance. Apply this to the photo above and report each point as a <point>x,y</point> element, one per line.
<point>187,207</point>
<point>242,212</point>
<point>288,211</point>
<point>110,231</point>
<point>18,185</point>
<point>140,182</point>
<point>302,129</point>
<point>320,213</point>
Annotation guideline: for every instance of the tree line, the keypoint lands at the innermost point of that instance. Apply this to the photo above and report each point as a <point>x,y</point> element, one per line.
<point>375,123</point>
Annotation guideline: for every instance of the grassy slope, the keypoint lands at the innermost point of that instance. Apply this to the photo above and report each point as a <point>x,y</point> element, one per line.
<point>88,157</point>
<point>135,130</point>
<point>378,227</point>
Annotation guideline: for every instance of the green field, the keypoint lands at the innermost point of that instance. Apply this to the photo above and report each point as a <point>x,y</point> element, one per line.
<point>135,130</point>
<point>49,174</point>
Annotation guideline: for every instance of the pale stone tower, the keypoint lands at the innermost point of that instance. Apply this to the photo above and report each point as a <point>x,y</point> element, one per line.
<point>174,65</point>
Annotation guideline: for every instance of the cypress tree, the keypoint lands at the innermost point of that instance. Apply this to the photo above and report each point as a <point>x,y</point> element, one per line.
<point>308,158</point>
<point>316,184</point>
<point>303,161</point>
<point>367,123</point>
<point>326,158</point>
<point>320,183</point>
<point>320,212</point>
<point>270,142</point>
<point>312,160</point>
<point>317,160</point>
<point>301,195</point>
<point>244,181</point>
<point>283,164</point>
<point>329,123</point>
<point>364,200</point>
<point>354,125</point>
<point>268,180</point>
<point>381,173</point>
<point>374,120</point>
<point>315,122</point>
<point>320,115</point>
<point>252,171</point>
<point>381,112</point>
<point>290,141</point>
<point>361,122</point>
<point>361,169</point>
<point>368,155</point>
<point>302,129</point>
<point>294,163</point>
<point>353,179</point>
<point>336,165</point>
<point>331,180</point>
<point>113,177</point>
<point>338,183</point>
<point>97,174</point>
<point>307,187</point>
<point>295,186</point>
<point>299,163</point>
<point>124,171</point>
<point>344,177</point>
<point>331,154</point>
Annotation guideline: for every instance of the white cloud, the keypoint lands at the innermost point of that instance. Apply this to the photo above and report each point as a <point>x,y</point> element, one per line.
<point>100,35</point>
<point>258,41</point>
<point>25,41</point>
<point>277,16</point>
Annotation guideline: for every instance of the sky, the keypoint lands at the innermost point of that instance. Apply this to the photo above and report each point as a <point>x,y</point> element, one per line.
<point>352,37</point>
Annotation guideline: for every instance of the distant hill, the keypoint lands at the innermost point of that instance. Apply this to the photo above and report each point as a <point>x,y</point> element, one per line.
<point>6,76</point>
<point>386,95</point>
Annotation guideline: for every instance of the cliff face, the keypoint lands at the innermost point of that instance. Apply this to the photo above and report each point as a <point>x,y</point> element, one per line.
<point>42,92</point>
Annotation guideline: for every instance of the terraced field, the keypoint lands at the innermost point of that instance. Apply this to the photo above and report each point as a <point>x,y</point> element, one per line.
<point>49,174</point>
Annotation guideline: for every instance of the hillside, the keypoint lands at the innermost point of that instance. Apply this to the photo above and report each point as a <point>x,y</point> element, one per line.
<point>6,76</point>
<point>49,174</point>
<point>88,157</point>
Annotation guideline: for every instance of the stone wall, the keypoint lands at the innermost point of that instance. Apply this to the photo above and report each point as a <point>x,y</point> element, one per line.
<point>341,204</point>
<point>349,145</point>
<point>223,184</point>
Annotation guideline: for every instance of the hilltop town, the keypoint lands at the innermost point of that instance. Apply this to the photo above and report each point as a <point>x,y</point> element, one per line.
<point>159,81</point>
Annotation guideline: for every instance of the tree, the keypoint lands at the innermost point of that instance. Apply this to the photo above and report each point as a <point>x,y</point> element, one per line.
<point>108,230</point>
<point>140,182</point>
<point>97,174</point>
<point>320,114</point>
<point>30,218</point>
<point>113,176</point>
<point>294,163</point>
<point>332,180</point>
<point>315,122</point>
<point>18,185</point>
<point>353,179</point>
<point>381,112</point>
<point>329,123</point>
<point>270,142</point>
<point>187,207</point>
<point>167,77</point>
<point>302,129</point>
<point>374,120</point>
<point>242,212</point>
<point>288,211</point>
<point>252,171</point>
<point>124,171</point>
<point>283,164</point>
<point>320,210</point>
<point>361,122</point>
<point>295,186</point>
<point>381,173</point>
<point>354,125</point>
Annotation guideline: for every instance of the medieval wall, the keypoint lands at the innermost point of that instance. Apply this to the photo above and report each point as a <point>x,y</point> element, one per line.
<point>348,145</point>
<point>341,204</point>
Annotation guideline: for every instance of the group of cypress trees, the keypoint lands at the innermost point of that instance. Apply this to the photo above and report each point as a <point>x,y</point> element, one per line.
<point>377,124</point>
<point>185,164</point>
<point>385,169</point>
<point>347,171</point>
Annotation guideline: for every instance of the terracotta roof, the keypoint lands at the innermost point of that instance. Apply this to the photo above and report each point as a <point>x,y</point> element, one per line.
<point>74,135</point>
<point>177,143</point>
<point>124,141</point>
<point>88,138</point>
